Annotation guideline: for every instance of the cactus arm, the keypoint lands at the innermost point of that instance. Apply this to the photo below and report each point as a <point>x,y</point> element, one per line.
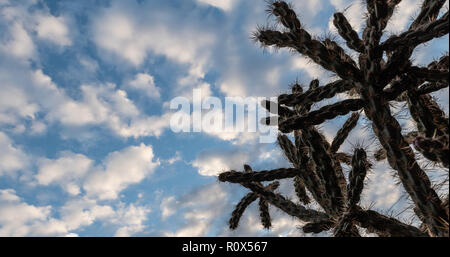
<point>399,86</point>
<point>328,170</point>
<point>434,149</point>
<point>286,205</point>
<point>429,74</point>
<point>319,116</point>
<point>292,154</point>
<point>346,227</point>
<point>281,110</point>
<point>265,175</point>
<point>346,31</point>
<point>300,40</point>
<point>333,47</point>
<point>401,158</point>
<point>317,227</point>
<point>399,60</point>
<point>380,154</point>
<point>289,149</point>
<point>419,35</point>
<point>316,94</point>
<point>308,174</point>
<point>429,12</point>
<point>240,208</point>
<point>429,88</point>
<point>360,166</point>
<point>343,158</point>
<point>300,190</point>
<point>343,132</point>
<point>264,213</point>
<point>385,226</point>
<point>429,117</point>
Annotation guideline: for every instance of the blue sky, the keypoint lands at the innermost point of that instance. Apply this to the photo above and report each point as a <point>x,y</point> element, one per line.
<point>85,143</point>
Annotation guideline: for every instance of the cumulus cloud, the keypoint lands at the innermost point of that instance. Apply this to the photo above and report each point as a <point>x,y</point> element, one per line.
<point>117,30</point>
<point>200,209</point>
<point>21,45</point>
<point>167,207</point>
<point>18,218</point>
<point>126,219</point>
<point>130,219</point>
<point>225,5</point>
<point>211,163</point>
<point>54,29</point>
<point>12,158</point>
<point>99,105</point>
<point>66,171</point>
<point>145,83</point>
<point>119,170</point>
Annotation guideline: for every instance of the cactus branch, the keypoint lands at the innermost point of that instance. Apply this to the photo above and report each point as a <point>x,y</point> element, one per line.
<point>343,133</point>
<point>419,35</point>
<point>316,94</point>
<point>346,31</point>
<point>317,117</point>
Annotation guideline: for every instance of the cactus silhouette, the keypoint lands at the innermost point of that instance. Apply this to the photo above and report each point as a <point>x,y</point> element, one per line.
<point>383,74</point>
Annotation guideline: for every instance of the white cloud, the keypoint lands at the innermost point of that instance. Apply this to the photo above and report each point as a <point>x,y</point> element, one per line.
<point>130,219</point>
<point>12,159</point>
<point>53,29</point>
<point>314,71</point>
<point>67,171</point>
<point>15,104</point>
<point>118,31</point>
<point>21,45</point>
<point>405,11</point>
<point>121,169</point>
<point>82,212</point>
<point>167,207</point>
<point>18,218</point>
<point>37,127</point>
<point>99,105</point>
<point>201,208</point>
<point>118,170</point>
<point>225,5</point>
<point>211,163</point>
<point>145,83</point>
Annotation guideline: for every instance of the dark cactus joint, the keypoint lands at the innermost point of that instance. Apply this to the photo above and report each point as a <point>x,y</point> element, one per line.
<point>383,74</point>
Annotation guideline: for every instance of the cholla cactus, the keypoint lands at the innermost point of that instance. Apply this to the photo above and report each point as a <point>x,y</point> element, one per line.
<point>383,73</point>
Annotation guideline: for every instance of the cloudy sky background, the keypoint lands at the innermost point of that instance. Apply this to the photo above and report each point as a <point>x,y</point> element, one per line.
<point>85,142</point>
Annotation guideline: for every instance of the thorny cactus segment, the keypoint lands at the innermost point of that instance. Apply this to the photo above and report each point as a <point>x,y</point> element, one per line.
<point>434,149</point>
<point>346,32</point>
<point>426,113</point>
<point>317,227</point>
<point>300,190</point>
<point>265,175</point>
<point>346,227</point>
<point>240,208</point>
<point>421,34</point>
<point>316,93</point>
<point>264,213</point>
<point>343,133</point>
<point>360,165</point>
<point>380,154</point>
<point>383,73</point>
<point>429,12</point>
<point>319,116</point>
